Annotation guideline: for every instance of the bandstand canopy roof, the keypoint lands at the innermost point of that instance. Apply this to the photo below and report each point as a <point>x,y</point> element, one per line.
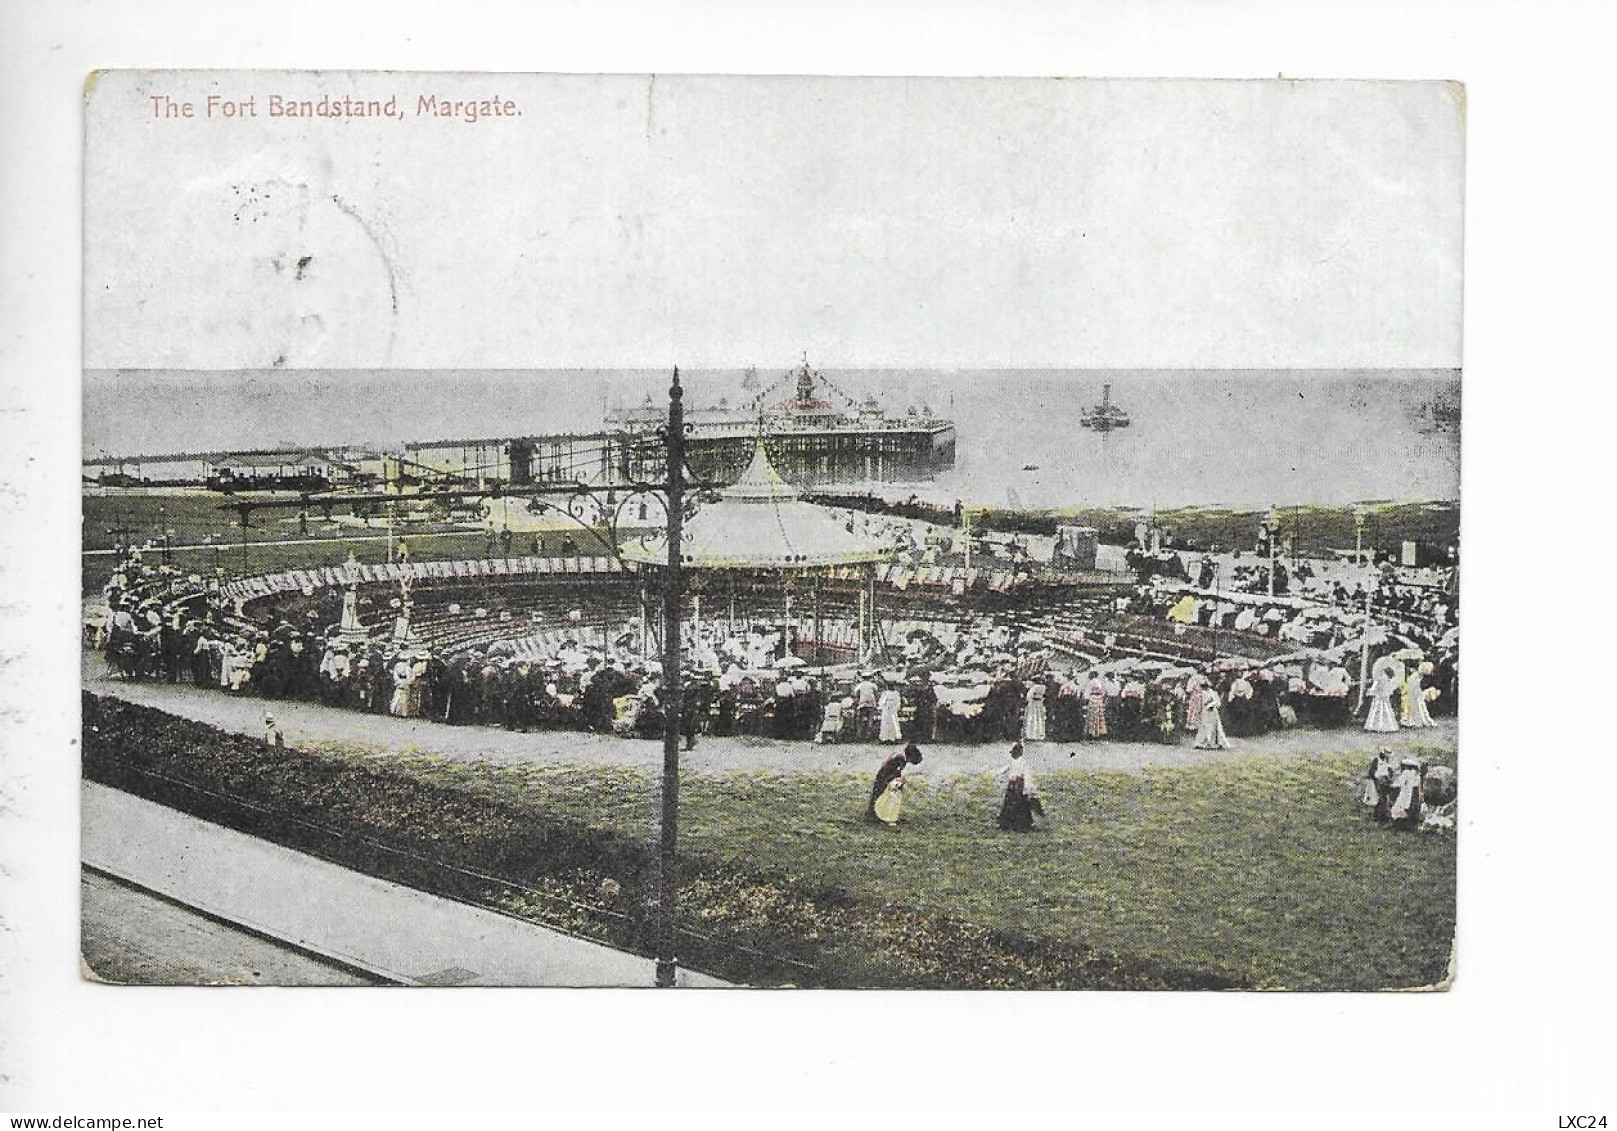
<point>762,522</point>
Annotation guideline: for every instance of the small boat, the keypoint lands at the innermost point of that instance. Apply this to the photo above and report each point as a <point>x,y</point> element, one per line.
<point>1106,415</point>
<point>1030,467</point>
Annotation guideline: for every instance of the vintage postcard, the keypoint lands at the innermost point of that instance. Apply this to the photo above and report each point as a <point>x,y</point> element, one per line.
<point>631,530</point>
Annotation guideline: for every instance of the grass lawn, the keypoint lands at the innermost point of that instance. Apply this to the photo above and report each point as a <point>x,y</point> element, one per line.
<point>1267,873</point>
<point>1250,872</point>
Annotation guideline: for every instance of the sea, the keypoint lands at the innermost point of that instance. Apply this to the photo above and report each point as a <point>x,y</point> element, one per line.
<point>1239,438</point>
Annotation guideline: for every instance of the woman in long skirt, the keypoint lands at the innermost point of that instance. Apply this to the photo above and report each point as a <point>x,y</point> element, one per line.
<point>1194,687</point>
<point>399,704</point>
<point>1033,717</point>
<point>1019,800</point>
<point>888,705</point>
<point>1378,786</point>
<point>1210,730</point>
<point>1415,712</point>
<point>1407,799</point>
<point>887,792</point>
<point>1384,685</point>
<point>1095,707</point>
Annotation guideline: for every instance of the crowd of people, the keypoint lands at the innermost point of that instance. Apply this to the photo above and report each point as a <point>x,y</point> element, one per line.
<point>979,678</point>
<point>1325,644</point>
<point>1414,794</point>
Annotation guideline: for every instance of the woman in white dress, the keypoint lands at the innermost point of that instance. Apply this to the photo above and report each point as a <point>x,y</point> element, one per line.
<point>1034,717</point>
<point>888,706</point>
<point>228,658</point>
<point>1407,799</point>
<point>1193,702</point>
<point>1210,729</point>
<point>1377,794</point>
<point>414,701</point>
<point>1387,678</point>
<point>1415,712</point>
<point>831,721</point>
<point>399,705</point>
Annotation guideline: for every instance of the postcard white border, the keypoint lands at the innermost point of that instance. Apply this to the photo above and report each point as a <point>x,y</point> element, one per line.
<point>1526,1026</point>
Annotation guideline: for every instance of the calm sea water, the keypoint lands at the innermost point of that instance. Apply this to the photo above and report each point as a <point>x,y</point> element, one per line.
<point>1237,437</point>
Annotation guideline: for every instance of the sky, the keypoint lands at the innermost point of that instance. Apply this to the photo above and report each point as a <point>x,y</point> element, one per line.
<point>640,222</point>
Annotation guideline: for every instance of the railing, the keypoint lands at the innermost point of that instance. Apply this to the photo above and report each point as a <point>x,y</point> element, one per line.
<point>297,580</point>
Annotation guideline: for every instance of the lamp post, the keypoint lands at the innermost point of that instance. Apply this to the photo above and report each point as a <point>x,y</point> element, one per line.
<point>673,494</point>
<point>1364,649</point>
<point>673,590</point>
<point>245,513</point>
<point>120,547</point>
<point>1271,534</point>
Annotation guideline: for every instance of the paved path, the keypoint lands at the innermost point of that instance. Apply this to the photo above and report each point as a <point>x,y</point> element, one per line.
<point>131,937</point>
<point>309,725</point>
<point>394,933</point>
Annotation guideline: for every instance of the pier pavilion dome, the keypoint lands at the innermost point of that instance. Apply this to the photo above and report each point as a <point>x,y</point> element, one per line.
<point>762,522</point>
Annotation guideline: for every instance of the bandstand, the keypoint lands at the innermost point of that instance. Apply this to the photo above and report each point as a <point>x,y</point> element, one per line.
<point>759,532</point>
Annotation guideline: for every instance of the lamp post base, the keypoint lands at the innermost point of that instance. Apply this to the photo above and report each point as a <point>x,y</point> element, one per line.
<point>665,973</point>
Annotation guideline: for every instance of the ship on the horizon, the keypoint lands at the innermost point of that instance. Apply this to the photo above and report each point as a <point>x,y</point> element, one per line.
<point>1106,415</point>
